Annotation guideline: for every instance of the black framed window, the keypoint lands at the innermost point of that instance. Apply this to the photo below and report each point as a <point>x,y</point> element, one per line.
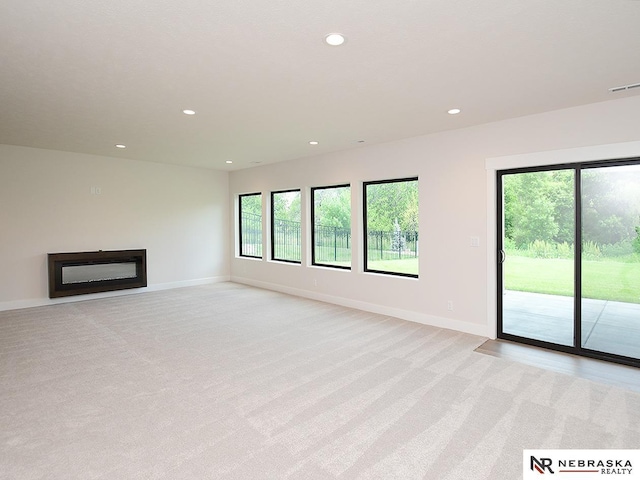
<point>331,226</point>
<point>286,244</point>
<point>250,234</point>
<point>391,226</point>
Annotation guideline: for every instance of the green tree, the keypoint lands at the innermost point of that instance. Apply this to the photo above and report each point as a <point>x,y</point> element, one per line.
<point>611,204</point>
<point>531,212</point>
<point>332,207</point>
<point>540,205</point>
<point>510,185</point>
<point>251,204</point>
<point>286,206</point>
<point>391,202</point>
<point>560,190</point>
<point>636,241</point>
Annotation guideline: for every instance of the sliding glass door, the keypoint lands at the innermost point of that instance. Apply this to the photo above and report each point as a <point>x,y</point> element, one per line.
<point>610,262</point>
<point>569,258</point>
<point>537,245</point>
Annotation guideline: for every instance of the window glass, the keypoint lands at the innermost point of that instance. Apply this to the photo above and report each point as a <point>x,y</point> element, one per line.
<point>251,225</point>
<point>285,226</point>
<point>391,224</point>
<point>331,227</point>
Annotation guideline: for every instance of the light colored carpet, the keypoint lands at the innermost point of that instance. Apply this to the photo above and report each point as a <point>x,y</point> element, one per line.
<point>226,381</point>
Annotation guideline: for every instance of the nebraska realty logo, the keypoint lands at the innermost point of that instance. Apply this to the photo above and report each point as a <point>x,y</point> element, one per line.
<point>563,464</point>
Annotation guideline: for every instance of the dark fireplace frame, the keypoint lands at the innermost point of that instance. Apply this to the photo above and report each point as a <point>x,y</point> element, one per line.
<point>56,262</point>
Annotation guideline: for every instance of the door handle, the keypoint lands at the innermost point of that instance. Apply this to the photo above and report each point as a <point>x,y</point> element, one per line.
<point>503,256</point>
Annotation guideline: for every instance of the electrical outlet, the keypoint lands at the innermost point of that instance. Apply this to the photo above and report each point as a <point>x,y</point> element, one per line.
<point>450,305</point>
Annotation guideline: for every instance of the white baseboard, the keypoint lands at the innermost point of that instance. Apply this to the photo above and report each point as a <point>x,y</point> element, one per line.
<point>40,302</point>
<point>411,316</point>
<point>187,283</point>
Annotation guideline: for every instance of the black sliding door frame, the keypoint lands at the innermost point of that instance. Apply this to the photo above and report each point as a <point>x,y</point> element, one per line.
<point>576,348</point>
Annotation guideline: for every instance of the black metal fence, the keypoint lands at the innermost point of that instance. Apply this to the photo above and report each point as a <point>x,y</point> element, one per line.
<point>287,244</point>
<point>251,234</point>
<point>332,244</point>
<point>395,245</point>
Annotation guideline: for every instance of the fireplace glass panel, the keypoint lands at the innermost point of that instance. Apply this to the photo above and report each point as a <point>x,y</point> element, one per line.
<point>97,272</point>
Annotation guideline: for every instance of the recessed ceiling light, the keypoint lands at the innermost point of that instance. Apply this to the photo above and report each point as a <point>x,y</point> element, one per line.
<point>335,39</point>
<point>119,145</point>
<point>229,161</point>
<point>189,112</point>
<point>454,111</point>
<point>313,142</point>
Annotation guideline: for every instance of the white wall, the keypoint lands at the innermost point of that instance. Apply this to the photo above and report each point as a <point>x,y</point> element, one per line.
<point>453,207</point>
<point>179,214</point>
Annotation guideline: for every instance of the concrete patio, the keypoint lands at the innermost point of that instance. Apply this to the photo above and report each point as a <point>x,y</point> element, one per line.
<point>612,327</point>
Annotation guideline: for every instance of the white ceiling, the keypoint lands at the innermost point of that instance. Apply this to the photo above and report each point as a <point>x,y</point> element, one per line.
<point>83,75</point>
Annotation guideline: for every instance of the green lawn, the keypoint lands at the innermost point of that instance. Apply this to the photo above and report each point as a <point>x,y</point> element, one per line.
<point>603,279</point>
<point>405,265</point>
<point>333,255</point>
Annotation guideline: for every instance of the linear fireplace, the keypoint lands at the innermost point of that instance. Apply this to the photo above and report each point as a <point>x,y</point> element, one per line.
<point>76,273</point>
